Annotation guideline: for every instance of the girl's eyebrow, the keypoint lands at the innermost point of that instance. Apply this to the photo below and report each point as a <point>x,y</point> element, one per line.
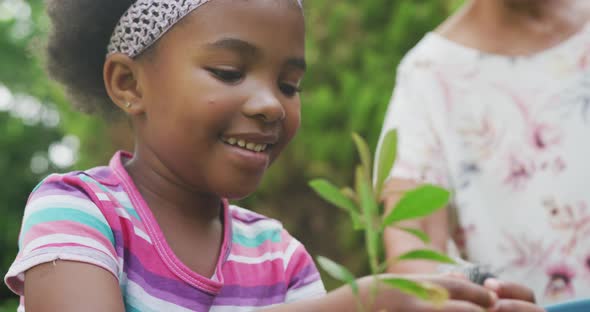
<point>236,45</point>
<point>297,62</point>
<point>246,48</point>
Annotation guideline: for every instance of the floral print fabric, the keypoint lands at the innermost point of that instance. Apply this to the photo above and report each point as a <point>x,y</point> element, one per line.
<point>511,137</point>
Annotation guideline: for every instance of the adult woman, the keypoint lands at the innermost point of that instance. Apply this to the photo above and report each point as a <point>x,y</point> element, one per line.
<point>495,104</point>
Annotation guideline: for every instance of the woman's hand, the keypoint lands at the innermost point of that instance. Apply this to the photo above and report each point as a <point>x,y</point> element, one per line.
<point>512,297</point>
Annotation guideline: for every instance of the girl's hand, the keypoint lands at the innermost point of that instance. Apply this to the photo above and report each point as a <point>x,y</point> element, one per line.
<point>512,297</point>
<point>464,297</point>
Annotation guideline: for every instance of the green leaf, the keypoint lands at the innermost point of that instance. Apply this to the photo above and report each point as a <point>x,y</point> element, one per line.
<point>418,203</point>
<point>357,223</point>
<point>369,205</point>
<point>365,155</point>
<point>424,291</point>
<point>408,287</point>
<point>338,272</point>
<point>349,193</point>
<point>387,155</point>
<point>426,254</point>
<point>417,233</point>
<point>333,195</point>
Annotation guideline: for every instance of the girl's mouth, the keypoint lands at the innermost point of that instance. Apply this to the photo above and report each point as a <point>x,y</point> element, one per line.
<point>241,143</point>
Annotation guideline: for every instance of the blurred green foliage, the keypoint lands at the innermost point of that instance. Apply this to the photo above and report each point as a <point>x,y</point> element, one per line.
<point>353,49</point>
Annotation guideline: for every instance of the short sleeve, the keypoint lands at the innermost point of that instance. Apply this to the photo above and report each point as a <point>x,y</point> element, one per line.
<point>304,280</point>
<point>61,222</point>
<point>413,111</point>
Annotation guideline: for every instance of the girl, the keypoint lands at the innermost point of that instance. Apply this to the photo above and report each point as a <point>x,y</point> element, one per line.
<point>211,89</point>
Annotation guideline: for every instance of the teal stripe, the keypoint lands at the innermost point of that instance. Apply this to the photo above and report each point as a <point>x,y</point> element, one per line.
<point>130,308</point>
<point>86,178</point>
<point>132,212</point>
<point>273,235</point>
<point>125,204</point>
<point>66,214</point>
<point>132,304</point>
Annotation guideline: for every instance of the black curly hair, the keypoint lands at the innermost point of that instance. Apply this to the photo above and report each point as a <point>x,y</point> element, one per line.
<point>77,46</point>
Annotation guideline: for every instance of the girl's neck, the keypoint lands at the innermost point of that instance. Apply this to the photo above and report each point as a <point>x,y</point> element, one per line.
<point>170,197</point>
<point>515,27</point>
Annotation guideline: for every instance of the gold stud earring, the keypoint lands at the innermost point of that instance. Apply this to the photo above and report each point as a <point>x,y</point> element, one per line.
<point>128,105</point>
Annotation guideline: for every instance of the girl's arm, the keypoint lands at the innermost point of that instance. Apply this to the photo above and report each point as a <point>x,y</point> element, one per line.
<point>75,286</point>
<point>464,295</point>
<point>71,286</point>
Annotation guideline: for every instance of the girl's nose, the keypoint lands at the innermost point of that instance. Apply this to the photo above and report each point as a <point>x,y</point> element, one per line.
<point>265,106</point>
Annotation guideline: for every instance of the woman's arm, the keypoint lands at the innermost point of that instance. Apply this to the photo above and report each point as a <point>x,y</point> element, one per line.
<point>398,242</point>
<point>71,286</point>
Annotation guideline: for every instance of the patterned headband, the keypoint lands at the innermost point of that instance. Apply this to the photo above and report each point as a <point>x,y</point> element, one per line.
<point>146,21</point>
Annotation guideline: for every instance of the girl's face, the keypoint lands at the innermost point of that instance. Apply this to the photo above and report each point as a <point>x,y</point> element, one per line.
<point>220,93</point>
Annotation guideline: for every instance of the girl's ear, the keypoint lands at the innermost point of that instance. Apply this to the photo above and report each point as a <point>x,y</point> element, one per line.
<point>121,79</point>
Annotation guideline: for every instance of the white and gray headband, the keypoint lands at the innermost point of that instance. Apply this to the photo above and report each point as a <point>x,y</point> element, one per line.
<point>146,21</point>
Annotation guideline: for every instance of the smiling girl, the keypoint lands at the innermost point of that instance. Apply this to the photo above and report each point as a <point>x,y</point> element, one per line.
<point>211,90</point>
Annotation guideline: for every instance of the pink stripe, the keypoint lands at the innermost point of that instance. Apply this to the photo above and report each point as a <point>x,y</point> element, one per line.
<point>62,245</point>
<point>299,260</point>
<point>69,228</point>
<point>261,274</point>
<point>267,246</point>
<point>136,223</point>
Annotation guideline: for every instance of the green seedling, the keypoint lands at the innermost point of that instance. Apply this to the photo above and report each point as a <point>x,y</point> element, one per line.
<point>366,209</point>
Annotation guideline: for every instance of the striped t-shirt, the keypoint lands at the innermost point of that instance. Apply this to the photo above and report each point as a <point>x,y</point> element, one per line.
<point>98,217</point>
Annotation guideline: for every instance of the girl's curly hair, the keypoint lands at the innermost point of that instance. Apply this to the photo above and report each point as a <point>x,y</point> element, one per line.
<point>77,46</point>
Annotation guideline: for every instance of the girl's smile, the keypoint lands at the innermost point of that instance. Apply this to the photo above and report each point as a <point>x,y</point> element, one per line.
<point>250,150</point>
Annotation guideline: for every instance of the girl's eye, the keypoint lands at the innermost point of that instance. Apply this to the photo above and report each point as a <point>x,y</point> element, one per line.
<point>225,75</point>
<point>289,89</point>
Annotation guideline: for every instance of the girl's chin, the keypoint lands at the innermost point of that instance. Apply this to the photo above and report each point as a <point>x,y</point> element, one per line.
<point>241,193</point>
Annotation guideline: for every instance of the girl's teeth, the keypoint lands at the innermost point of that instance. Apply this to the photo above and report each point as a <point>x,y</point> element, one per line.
<point>247,145</point>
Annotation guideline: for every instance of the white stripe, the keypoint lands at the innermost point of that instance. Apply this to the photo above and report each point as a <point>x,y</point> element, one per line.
<point>139,298</point>
<point>122,197</point>
<point>102,196</point>
<point>293,244</point>
<point>124,214</point>
<point>238,308</point>
<point>64,239</point>
<point>313,290</point>
<point>268,256</point>
<point>64,201</point>
<point>142,234</point>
